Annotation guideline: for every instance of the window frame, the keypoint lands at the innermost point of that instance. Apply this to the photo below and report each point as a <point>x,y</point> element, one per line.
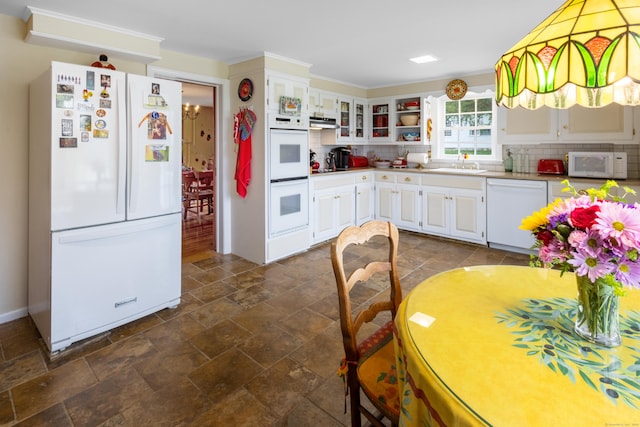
<point>438,146</point>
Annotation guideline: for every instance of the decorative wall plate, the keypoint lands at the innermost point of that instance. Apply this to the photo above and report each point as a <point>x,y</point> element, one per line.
<point>456,89</point>
<point>245,90</point>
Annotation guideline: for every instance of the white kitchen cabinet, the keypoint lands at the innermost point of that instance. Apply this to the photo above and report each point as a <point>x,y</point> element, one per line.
<point>333,205</point>
<point>323,104</point>
<point>352,120</point>
<point>280,85</point>
<point>398,199</point>
<point>365,197</point>
<point>516,125</point>
<point>454,207</point>
<point>380,120</point>
<point>613,123</point>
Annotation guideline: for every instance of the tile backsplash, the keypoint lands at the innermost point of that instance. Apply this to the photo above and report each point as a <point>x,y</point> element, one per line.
<point>535,152</point>
<point>559,151</point>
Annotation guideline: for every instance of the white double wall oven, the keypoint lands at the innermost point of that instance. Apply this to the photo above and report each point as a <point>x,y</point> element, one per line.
<point>288,181</point>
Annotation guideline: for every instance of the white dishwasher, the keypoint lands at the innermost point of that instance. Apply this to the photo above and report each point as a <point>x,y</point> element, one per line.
<point>508,201</point>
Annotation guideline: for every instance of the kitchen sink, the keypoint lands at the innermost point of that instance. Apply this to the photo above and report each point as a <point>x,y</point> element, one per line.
<point>457,170</point>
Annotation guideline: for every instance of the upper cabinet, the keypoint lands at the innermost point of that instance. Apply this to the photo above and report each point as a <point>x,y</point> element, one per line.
<point>352,121</point>
<point>380,111</point>
<point>522,125</point>
<point>613,123</point>
<point>409,120</point>
<point>323,104</point>
<point>285,92</point>
<point>403,121</point>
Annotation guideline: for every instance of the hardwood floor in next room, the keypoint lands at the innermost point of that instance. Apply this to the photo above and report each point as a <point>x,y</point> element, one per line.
<point>198,236</point>
<point>249,345</point>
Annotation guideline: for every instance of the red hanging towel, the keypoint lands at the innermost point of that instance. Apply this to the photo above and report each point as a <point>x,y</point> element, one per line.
<point>243,125</point>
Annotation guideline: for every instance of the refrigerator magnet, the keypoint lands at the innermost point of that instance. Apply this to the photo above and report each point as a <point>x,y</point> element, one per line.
<point>101,113</point>
<point>86,94</point>
<point>105,103</point>
<point>68,142</point>
<point>67,127</point>
<point>156,153</point>
<point>84,136</point>
<point>105,81</point>
<point>101,133</point>
<point>85,122</point>
<point>91,80</point>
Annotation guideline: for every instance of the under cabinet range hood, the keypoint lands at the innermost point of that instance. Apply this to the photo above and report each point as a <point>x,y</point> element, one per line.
<point>319,123</point>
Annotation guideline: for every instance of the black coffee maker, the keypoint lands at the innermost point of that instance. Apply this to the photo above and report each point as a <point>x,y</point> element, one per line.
<point>342,157</point>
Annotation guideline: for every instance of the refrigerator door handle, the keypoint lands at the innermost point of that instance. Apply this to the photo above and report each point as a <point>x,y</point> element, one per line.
<point>123,229</point>
<point>122,147</point>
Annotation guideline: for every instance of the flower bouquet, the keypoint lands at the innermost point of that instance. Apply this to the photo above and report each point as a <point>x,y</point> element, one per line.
<point>597,236</point>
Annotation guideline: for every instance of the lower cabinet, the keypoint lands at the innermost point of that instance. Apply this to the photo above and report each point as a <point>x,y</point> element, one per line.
<point>365,197</point>
<point>398,199</point>
<point>444,205</point>
<point>333,206</point>
<point>454,206</point>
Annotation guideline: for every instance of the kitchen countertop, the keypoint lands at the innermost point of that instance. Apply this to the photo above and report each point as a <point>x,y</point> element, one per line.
<point>488,174</point>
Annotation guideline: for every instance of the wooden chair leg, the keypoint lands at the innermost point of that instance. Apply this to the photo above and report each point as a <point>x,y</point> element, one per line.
<point>354,397</point>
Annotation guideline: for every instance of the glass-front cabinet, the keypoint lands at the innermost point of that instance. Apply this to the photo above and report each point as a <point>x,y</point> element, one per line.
<point>380,121</point>
<point>352,120</point>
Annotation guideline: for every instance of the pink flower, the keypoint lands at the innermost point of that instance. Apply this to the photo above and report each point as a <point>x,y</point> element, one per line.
<point>576,238</point>
<point>619,223</point>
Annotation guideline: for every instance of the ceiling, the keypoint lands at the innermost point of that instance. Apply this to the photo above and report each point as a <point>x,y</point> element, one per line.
<point>364,43</point>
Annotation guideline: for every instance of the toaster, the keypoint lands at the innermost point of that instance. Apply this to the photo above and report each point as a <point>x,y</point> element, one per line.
<point>550,167</point>
<point>358,162</point>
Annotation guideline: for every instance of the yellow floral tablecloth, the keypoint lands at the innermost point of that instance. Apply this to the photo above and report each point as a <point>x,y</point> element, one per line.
<point>494,345</point>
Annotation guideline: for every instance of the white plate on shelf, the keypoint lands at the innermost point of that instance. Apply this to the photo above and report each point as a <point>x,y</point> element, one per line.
<point>412,108</point>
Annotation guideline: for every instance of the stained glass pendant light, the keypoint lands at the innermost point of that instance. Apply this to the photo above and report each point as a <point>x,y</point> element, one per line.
<point>585,53</point>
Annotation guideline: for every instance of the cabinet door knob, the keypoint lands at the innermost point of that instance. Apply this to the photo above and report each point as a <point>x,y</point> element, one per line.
<point>407,179</point>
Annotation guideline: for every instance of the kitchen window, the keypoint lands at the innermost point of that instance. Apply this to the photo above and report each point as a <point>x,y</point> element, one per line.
<point>467,126</point>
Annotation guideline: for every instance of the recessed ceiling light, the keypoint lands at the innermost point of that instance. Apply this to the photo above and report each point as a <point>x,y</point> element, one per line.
<point>423,59</point>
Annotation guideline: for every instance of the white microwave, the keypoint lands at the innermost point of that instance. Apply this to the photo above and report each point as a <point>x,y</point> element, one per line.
<point>598,164</point>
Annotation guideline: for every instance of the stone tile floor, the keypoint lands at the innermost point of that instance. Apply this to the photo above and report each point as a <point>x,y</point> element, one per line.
<point>249,345</point>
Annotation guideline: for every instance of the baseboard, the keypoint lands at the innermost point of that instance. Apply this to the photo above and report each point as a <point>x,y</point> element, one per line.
<point>13,315</point>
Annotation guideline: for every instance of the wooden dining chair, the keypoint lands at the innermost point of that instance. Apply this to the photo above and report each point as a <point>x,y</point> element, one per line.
<point>197,191</point>
<point>369,363</point>
<point>205,189</point>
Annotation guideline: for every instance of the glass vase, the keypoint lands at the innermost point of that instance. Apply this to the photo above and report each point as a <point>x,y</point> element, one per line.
<point>598,312</point>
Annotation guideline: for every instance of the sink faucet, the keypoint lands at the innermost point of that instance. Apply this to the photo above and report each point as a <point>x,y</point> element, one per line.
<point>464,157</point>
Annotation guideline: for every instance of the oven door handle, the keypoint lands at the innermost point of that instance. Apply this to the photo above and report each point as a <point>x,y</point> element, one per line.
<point>295,178</point>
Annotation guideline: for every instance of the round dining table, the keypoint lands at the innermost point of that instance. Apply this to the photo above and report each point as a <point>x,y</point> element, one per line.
<point>494,345</point>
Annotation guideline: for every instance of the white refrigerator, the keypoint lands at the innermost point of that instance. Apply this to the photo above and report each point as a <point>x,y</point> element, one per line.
<point>104,200</point>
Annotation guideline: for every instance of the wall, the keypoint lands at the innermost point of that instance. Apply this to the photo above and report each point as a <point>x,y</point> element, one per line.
<point>21,63</point>
<point>198,140</point>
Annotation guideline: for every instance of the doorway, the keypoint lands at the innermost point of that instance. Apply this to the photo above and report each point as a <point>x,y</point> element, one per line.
<point>199,132</point>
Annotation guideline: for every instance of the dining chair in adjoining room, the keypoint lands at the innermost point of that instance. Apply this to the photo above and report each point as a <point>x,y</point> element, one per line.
<point>205,189</point>
<point>369,363</point>
<point>197,187</point>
